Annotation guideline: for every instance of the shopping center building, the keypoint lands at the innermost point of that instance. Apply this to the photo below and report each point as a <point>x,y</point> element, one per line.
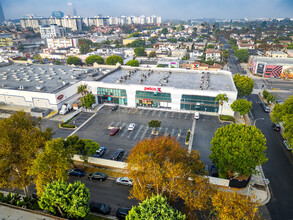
<point>48,87</point>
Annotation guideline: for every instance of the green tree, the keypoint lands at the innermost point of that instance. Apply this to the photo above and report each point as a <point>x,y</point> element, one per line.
<point>21,138</point>
<point>90,60</point>
<point>139,51</point>
<point>221,98</point>
<point>57,62</point>
<point>88,100</point>
<point>132,63</point>
<point>113,60</point>
<point>172,40</point>
<point>242,106</point>
<point>270,98</point>
<point>265,94</point>
<point>152,54</point>
<point>164,31</point>
<point>244,85</point>
<point>73,61</point>
<point>20,48</point>
<point>156,207</point>
<point>238,148</point>
<point>51,164</point>
<point>87,148</point>
<point>136,43</point>
<point>242,55</point>
<point>154,124</point>
<point>67,199</point>
<point>84,45</point>
<point>82,89</point>
<point>37,56</point>
<point>284,113</point>
<point>210,46</point>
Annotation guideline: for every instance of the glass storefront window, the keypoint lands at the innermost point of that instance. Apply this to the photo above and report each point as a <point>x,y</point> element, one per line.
<point>115,96</point>
<point>153,99</point>
<point>199,103</point>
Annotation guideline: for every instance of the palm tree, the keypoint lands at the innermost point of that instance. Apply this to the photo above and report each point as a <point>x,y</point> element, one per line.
<point>221,98</point>
<point>82,89</point>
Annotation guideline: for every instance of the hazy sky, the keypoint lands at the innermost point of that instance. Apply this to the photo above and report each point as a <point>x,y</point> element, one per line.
<point>166,8</point>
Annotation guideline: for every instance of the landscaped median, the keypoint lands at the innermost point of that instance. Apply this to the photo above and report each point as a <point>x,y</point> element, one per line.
<point>227,118</point>
<point>187,137</point>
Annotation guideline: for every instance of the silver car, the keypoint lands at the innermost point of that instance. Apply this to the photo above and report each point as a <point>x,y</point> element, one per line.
<point>124,181</point>
<point>287,145</point>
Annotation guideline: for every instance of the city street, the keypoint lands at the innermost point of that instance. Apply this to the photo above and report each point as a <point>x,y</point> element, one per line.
<point>278,169</point>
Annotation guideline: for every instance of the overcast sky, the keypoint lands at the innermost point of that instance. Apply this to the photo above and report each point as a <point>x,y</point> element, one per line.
<point>167,9</point>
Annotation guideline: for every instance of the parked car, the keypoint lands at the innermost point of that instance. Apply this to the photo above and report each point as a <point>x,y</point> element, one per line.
<point>76,172</point>
<point>100,208</point>
<point>97,176</point>
<point>115,107</point>
<point>99,153</point>
<point>287,145</point>
<point>214,171</point>
<point>196,115</point>
<point>113,131</point>
<point>124,181</point>
<point>122,212</point>
<point>131,126</point>
<point>265,107</point>
<point>276,126</point>
<point>117,155</point>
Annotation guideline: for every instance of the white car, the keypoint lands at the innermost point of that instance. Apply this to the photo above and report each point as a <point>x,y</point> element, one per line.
<point>196,115</point>
<point>124,181</point>
<point>131,127</point>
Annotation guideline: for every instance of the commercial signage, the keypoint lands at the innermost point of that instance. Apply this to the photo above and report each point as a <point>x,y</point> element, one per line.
<point>154,89</point>
<point>60,97</point>
<point>196,66</point>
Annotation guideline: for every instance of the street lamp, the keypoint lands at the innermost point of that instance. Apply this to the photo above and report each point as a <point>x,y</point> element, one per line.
<point>257,120</point>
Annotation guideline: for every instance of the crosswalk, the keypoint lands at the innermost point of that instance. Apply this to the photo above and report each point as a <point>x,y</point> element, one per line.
<point>142,131</point>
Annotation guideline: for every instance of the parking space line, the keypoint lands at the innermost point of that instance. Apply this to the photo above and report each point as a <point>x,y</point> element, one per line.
<point>172,116</point>
<point>117,124</point>
<point>186,116</point>
<point>166,131</point>
<point>159,130</point>
<point>148,111</point>
<point>141,111</point>
<point>138,131</point>
<point>111,124</point>
<point>172,133</point>
<point>166,114</point>
<point>125,130</point>
<point>150,135</point>
<point>144,133</point>
<point>160,113</point>
<point>154,113</point>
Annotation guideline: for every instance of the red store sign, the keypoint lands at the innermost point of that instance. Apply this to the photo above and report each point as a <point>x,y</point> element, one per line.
<point>152,89</point>
<point>60,97</point>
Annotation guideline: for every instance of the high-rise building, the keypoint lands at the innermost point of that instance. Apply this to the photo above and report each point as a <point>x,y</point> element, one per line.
<point>2,18</point>
<point>71,9</point>
<point>57,14</point>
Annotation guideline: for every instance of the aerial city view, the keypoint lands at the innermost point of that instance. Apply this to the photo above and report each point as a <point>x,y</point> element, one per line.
<point>158,110</point>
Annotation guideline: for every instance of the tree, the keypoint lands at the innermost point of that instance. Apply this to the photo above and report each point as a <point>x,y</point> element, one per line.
<point>90,60</point>
<point>172,40</point>
<point>244,85</point>
<point>242,55</point>
<point>152,54</point>
<point>21,138</point>
<point>221,98</point>
<point>84,45</point>
<point>164,31</point>
<point>238,148</point>
<point>136,43</point>
<point>163,165</point>
<point>210,46</point>
<point>284,113</point>
<point>113,60</point>
<point>139,51</point>
<point>37,56</point>
<point>231,205</point>
<point>154,124</point>
<point>242,106</point>
<point>87,147</point>
<point>270,98</point>
<point>57,62</point>
<point>51,164</point>
<point>88,100</point>
<point>20,48</point>
<point>73,61</point>
<point>265,94</point>
<point>82,89</point>
<point>132,63</point>
<point>156,207</point>
<point>67,199</point>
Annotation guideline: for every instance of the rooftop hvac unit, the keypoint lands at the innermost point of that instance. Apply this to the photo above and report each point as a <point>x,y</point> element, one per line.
<point>117,81</point>
<point>39,87</point>
<point>21,87</point>
<point>4,78</point>
<point>3,85</point>
<point>64,83</point>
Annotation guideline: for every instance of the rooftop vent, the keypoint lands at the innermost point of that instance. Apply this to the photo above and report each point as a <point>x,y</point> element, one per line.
<point>39,87</point>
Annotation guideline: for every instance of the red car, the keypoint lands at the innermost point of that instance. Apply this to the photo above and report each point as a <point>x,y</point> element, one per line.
<point>113,131</point>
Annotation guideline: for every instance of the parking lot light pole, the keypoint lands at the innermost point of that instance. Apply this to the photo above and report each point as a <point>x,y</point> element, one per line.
<point>257,120</point>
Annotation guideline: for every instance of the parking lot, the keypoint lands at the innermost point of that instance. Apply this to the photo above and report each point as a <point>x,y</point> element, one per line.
<point>172,123</point>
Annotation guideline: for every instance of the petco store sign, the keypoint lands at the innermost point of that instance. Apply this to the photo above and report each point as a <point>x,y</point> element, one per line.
<point>154,89</point>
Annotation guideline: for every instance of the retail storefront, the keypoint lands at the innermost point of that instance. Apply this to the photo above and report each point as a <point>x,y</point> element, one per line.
<point>110,95</point>
<point>199,103</point>
<point>153,99</point>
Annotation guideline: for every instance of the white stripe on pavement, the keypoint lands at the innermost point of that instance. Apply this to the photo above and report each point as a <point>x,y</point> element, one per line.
<point>138,131</point>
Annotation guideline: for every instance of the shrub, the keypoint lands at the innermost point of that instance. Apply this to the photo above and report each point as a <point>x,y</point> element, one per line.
<point>132,63</point>
<point>64,125</point>
<point>227,118</point>
<point>265,94</point>
<point>187,136</point>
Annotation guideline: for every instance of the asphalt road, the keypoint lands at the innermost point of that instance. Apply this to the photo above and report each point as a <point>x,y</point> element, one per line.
<point>278,168</point>
<point>280,84</point>
<point>107,192</point>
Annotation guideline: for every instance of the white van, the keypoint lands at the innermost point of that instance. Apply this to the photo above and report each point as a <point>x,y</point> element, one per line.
<point>196,115</point>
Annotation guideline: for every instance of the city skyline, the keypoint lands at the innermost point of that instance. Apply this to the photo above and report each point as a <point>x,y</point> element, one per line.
<point>167,9</point>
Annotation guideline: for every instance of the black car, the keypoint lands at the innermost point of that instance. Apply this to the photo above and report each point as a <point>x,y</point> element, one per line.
<point>115,107</point>
<point>97,176</point>
<point>100,208</point>
<point>122,212</point>
<point>276,126</point>
<point>117,155</point>
<point>265,107</point>
<point>76,172</point>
